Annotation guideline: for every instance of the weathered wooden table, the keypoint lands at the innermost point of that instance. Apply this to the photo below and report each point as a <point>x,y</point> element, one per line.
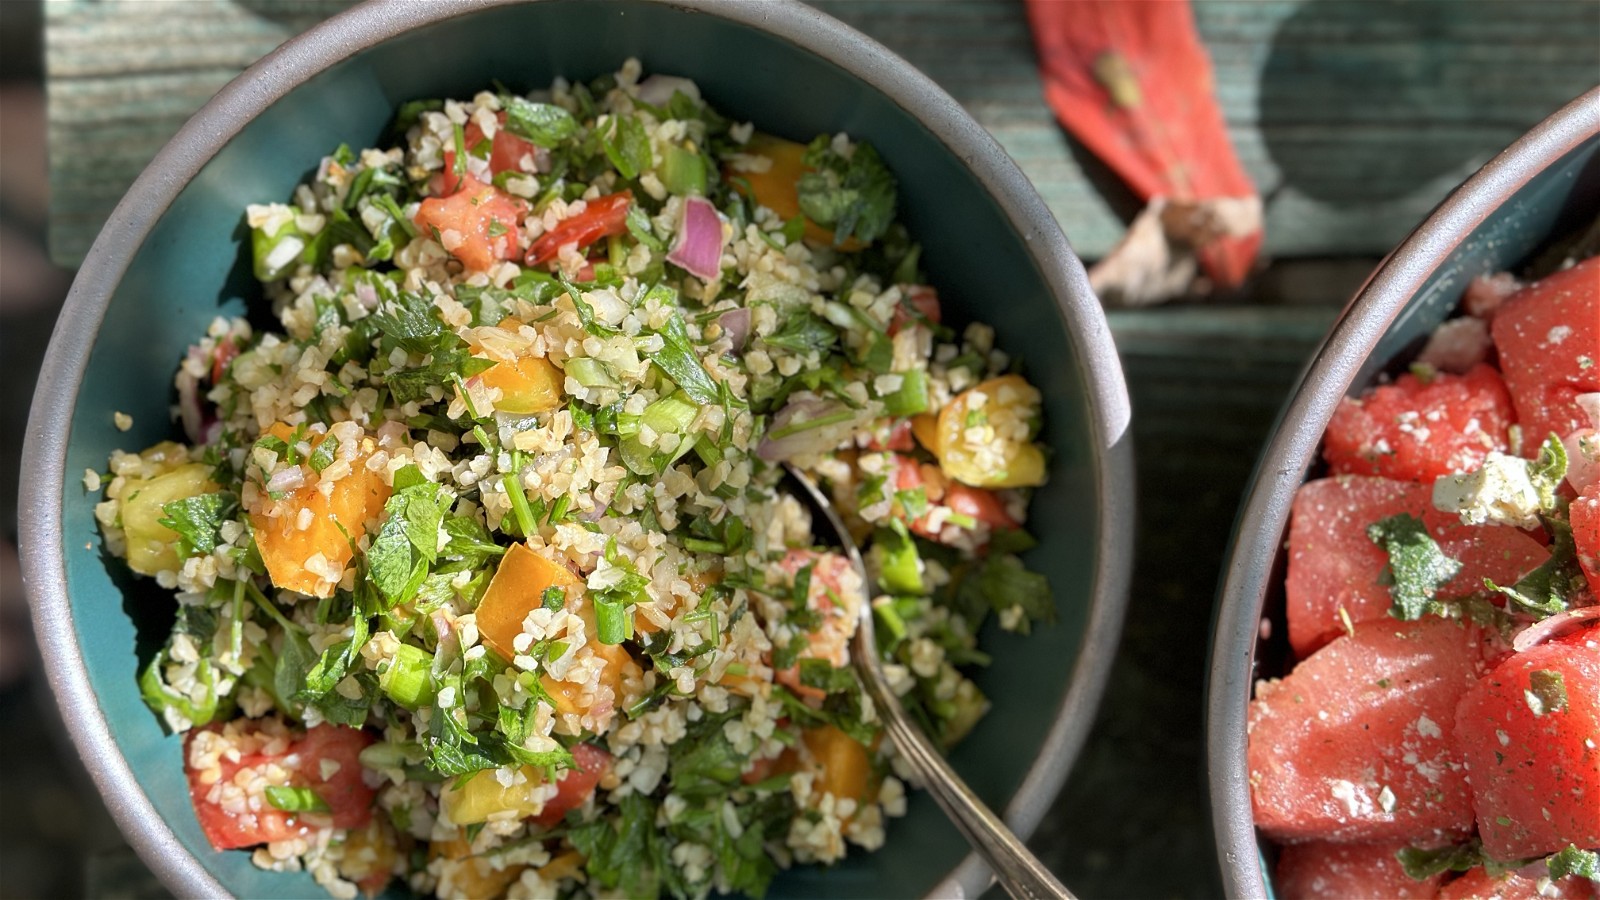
<point>1354,117</point>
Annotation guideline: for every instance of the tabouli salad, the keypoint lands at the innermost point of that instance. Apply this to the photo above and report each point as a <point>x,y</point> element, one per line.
<point>1440,734</point>
<point>485,579</point>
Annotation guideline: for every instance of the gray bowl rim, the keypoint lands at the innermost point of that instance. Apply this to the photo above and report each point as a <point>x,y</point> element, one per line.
<point>1264,512</point>
<point>361,27</point>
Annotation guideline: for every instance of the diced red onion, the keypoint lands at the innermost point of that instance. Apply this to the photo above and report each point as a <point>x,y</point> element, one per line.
<point>287,479</point>
<point>596,514</point>
<point>656,90</point>
<point>1553,626</point>
<point>189,409</point>
<point>698,249</point>
<point>367,295</point>
<point>391,434</point>
<point>735,323</point>
<point>799,410</point>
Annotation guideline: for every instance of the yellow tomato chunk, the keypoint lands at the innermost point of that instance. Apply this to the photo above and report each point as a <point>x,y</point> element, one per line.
<point>467,875</point>
<point>306,559</point>
<point>483,797</point>
<point>518,587</point>
<point>985,435</point>
<point>152,546</point>
<point>843,763</point>
<point>531,384</point>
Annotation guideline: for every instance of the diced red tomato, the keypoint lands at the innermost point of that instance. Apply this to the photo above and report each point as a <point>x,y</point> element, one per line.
<point>898,438</point>
<point>1477,884</point>
<point>1548,335</point>
<point>576,785</point>
<point>1585,517</point>
<point>506,152</point>
<point>923,298</point>
<point>1358,743</point>
<point>325,759</point>
<point>976,503</point>
<point>1323,870</point>
<point>601,217</point>
<point>1333,565</point>
<point>220,358</point>
<point>1527,731</point>
<point>762,769</point>
<point>1416,430</point>
<point>985,506</point>
<point>478,224</point>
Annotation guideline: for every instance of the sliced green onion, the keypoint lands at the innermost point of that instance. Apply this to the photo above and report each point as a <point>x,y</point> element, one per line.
<point>553,598</point>
<point>591,373</point>
<point>275,254</point>
<point>672,413</point>
<point>899,567</point>
<point>683,171</point>
<point>912,398</point>
<point>296,799</point>
<point>700,546</point>
<point>612,622</point>
<point>834,418</point>
<point>409,678</point>
<point>961,520</point>
<point>519,501</point>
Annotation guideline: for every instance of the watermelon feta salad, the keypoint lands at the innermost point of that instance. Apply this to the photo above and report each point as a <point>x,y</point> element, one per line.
<point>1439,735</point>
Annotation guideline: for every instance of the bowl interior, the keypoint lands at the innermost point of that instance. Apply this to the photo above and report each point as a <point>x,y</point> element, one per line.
<point>1380,332</point>
<point>193,266</point>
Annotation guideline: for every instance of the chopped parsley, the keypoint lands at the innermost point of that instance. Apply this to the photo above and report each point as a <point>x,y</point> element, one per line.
<point>854,195</point>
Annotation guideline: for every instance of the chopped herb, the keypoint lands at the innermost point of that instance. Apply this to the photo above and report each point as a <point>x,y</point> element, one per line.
<point>804,333</point>
<point>542,124</point>
<point>295,799</point>
<point>198,521</point>
<point>1572,861</point>
<point>855,195</point>
<point>680,363</point>
<point>1416,569</point>
<point>1547,692</point>
<point>627,145</point>
<point>1551,587</point>
<point>1423,864</point>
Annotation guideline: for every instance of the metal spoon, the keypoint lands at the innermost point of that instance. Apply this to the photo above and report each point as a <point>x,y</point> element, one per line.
<point>1017,869</point>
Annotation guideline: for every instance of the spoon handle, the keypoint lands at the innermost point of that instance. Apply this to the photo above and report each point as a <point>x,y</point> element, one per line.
<point>1016,868</point>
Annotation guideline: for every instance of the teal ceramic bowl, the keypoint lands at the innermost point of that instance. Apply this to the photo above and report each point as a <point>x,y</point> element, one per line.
<point>172,257</point>
<point>1543,187</point>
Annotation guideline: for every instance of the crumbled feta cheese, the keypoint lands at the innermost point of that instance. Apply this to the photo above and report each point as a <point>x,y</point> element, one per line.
<point>1501,492</point>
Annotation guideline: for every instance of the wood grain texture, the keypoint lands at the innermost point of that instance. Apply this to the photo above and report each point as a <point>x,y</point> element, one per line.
<point>1354,117</point>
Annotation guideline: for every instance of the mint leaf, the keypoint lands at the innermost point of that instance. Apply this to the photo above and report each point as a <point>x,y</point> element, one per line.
<point>1550,588</point>
<point>1416,569</point>
<point>1572,861</point>
<point>1548,470</point>
<point>1423,864</point>
<point>542,124</point>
